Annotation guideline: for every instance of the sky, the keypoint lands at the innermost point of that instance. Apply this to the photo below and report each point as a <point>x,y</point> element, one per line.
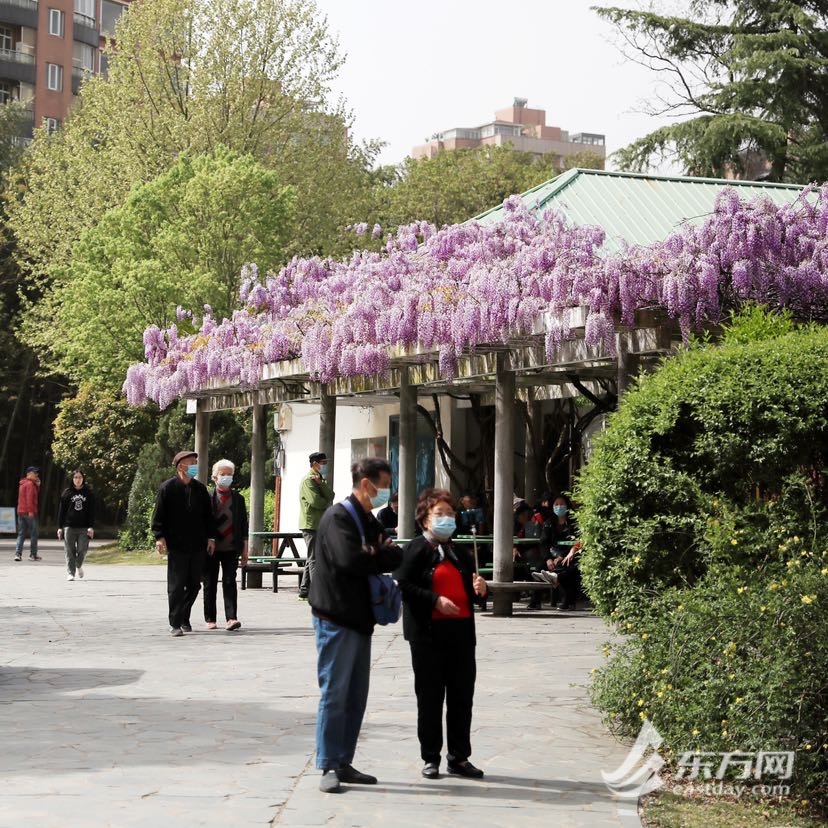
<point>415,68</point>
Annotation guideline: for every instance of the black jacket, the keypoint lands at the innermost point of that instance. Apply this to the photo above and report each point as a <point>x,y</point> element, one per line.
<point>238,508</point>
<point>77,508</point>
<point>339,586</point>
<point>414,576</point>
<point>183,516</point>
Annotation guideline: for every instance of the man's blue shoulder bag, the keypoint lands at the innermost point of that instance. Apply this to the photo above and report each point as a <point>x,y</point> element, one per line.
<point>386,598</point>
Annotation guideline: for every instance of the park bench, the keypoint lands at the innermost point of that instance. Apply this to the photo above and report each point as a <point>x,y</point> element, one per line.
<point>276,563</point>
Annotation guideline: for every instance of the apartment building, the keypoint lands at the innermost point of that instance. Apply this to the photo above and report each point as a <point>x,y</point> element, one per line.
<point>46,49</point>
<point>526,129</point>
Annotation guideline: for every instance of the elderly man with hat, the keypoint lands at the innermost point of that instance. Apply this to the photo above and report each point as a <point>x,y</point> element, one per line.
<point>315,496</point>
<point>28,492</point>
<point>184,530</point>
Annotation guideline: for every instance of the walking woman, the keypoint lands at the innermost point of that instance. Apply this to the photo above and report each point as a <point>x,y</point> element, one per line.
<point>230,514</point>
<point>76,521</point>
<point>440,587</point>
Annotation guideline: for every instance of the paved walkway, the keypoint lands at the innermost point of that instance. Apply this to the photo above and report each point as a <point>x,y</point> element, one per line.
<point>106,720</point>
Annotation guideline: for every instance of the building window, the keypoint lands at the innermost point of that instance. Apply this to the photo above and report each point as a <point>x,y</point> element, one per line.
<point>56,22</point>
<point>110,14</point>
<point>6,38</point>
<point>84,57</point>
<point>54,77</point>
<point>51,124</point>
<point>8,92</point>
<point>86,8</point>
<point>369,447</point>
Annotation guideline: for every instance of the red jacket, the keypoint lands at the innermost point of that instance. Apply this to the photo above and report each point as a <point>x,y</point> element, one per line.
<point>27,492</point>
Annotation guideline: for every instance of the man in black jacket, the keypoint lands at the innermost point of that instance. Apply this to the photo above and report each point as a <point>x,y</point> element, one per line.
<point>343,618</point>
<point>184,530</point>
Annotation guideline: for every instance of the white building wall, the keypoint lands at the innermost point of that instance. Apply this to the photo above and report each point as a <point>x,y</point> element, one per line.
<point>302,438</point>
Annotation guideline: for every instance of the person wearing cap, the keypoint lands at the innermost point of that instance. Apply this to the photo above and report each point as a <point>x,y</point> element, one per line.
<point>28,491</point>
<point>315,496</point>
<point>184,530</point>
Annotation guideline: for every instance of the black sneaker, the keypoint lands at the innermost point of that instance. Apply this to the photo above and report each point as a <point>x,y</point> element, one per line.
<point>466,769</point>
<point>18,557</point>
<point>351,776</point>
<point>186,628</point>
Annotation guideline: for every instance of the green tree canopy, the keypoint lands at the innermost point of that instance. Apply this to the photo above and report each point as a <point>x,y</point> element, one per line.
<point>101,434</point>
<point>186,77</point>
<point>453,186</point>
<point>748,81</point>
<point>178,240</point>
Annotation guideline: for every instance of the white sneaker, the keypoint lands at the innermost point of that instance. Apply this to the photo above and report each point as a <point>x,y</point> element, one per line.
<point>550,577</point>
<point>70,577</point>
<point>80,572</point>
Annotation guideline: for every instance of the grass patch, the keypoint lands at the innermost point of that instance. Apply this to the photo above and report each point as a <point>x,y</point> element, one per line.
<point>670,810</point>
<point>112,553</point>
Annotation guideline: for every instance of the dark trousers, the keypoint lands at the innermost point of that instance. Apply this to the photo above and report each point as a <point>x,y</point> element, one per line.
<point>229,563</point>
<point>445,669</point>
<point>569,583</point>
<point>183,583</point>
<point>309,536</point>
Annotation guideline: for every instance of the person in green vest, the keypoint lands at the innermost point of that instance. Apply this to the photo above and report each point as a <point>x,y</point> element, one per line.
<point>315,496</point>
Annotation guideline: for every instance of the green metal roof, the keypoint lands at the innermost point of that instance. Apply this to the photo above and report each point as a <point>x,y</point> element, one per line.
<point>636,207</point>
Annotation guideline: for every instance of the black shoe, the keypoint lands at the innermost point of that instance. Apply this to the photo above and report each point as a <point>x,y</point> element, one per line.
<point>564,607</point>
<point>466,769</point>
<point>186,628</point>
<point>533,605</point>
<point>351,776</point>
<point>18,557</point>
<point>431,770</point>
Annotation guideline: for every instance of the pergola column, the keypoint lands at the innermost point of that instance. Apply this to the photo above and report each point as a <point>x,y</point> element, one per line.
<point>327,428</point>
<point>628,363</point>
<point>534,483</point>
<point>504,465</point>
<point>408,456</point>
<point>202,441</point>
<point>257,464</point>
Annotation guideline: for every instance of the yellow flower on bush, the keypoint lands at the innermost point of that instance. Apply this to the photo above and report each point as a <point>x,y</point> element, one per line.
<point>808,599</point>
<point>740,590</point>
<point>734,542</point>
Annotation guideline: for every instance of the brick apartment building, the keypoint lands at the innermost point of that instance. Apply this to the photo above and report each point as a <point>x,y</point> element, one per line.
<point>46,48</point>
<point>524,128</point>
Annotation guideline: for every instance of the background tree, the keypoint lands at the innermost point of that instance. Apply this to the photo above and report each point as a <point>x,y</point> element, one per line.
<point>27,400</point>
<point>178,240</point>
<point>188,76</point>
<point>100,433</point>
<point>747,80</point>
<point>454,186</point>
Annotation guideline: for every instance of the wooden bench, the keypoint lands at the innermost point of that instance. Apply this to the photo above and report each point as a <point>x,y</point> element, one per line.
<point>251,572</point>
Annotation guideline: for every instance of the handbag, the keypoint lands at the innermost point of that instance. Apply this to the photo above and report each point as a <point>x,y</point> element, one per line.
<point>386,598</point>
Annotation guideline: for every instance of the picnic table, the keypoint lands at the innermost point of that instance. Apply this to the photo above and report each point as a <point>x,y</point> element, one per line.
<point>277,563</point>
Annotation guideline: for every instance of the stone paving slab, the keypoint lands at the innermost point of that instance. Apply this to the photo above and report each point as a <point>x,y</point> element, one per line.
<point>108,721</point>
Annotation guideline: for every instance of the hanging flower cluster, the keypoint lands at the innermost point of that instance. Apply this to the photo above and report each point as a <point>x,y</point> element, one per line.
<point>467,285</point>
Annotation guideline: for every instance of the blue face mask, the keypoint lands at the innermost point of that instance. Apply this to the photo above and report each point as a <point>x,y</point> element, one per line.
<point>443,527</point>
<point>192,469</point>
<point>323,470</point>
<point>225,481</point>
<point>380,498</point>
<point>560,511</point>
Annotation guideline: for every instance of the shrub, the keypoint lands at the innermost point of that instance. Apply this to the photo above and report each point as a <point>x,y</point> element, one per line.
<point>740,424</point>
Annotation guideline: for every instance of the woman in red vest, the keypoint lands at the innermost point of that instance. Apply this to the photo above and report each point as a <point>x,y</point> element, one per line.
<point>440,587</point>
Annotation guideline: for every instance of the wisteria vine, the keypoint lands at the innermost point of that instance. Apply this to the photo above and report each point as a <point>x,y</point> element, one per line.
<point>456,289</point>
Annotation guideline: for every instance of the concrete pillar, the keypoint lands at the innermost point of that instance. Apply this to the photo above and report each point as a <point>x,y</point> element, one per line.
<point>534,483</point>
<point>408,457</point>
<point>202,441</point>
<point>327,428</point>
<point>504,464</point>
<point>257,464</point>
